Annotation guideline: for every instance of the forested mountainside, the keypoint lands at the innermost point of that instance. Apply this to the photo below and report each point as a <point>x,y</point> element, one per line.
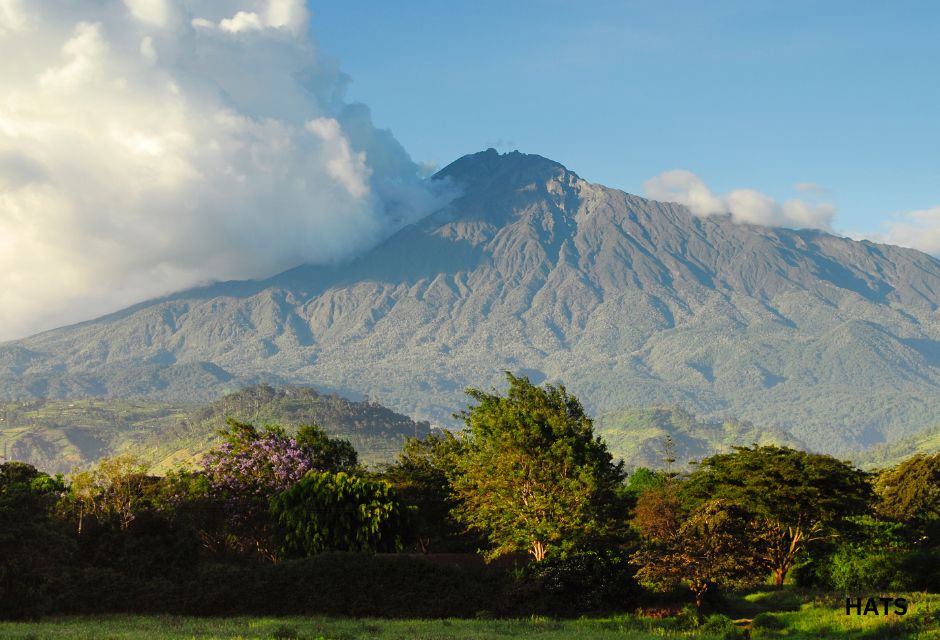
<point>627,301</point>
<point>60,435</point>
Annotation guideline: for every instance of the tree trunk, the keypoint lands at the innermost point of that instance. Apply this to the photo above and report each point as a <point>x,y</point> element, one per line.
<point>538,551</point>
<point>779,575</point>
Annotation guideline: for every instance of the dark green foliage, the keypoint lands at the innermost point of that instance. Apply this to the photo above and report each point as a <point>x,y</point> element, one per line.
<point>873,554</point>
<point>329,454</point>
<point>576,583</point>
<point>721,626</point>
<point>420,477</point>
<point>643,479</point>
<point>798,498</point>
<point>533,476</point>
<point>32,546</point>
<point>910,494</point>
<point>337,512</point>
<point>347,585</point>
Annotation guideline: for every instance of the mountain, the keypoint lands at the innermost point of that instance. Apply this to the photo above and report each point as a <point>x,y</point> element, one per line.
<point>628,301</point>
<point>62,435</point>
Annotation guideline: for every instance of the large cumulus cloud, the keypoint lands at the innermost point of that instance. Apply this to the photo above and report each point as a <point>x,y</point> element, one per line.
<point>150,145</point>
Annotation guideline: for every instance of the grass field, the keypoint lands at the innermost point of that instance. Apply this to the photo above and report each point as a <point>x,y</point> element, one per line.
<point>759,615</point>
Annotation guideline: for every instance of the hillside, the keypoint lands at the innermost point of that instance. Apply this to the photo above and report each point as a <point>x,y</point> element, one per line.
<point>638,435</point>
<point>58,436</point>
<point>889,455</point>
<point>628,301</point>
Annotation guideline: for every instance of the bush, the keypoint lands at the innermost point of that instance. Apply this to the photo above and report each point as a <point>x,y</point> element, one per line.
<point>582,582</point>
<point>851,570</point>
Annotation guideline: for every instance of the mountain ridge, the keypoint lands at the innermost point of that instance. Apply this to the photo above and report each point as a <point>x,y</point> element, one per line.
<point>628,301</point>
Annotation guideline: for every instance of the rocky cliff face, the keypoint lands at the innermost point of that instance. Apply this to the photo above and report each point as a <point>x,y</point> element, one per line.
<point>627,301</point>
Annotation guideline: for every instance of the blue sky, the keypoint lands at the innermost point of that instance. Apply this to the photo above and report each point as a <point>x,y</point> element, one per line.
<point>759,95</point>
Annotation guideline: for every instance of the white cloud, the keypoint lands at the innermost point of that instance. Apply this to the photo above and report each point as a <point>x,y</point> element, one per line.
<point>744,205</point>
<point>919,229</point>
<point>242,21</point>
<point>145,148</point>
<point>152,12</point>
<point>13,16</point>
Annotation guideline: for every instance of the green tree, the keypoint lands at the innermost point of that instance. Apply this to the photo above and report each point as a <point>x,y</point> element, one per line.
<point>798,498</point>
<point>338,512</point>
<point>118,488</point>
<point>709,547</point>
<point>643,479</point>
<point>533,476</point>
<point>329,454</point>
<point>910,494</point>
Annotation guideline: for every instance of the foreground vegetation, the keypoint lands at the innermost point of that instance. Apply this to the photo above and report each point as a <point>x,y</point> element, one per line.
<point>279,523</point>
<point>761,614</point>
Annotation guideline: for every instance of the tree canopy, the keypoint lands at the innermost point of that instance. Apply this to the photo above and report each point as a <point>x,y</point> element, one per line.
<point>910,493</point>
<point>338,512</point>
<point>533,476</point>
<point>797,497</point>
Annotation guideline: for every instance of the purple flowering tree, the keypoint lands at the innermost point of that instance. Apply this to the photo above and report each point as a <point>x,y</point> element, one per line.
<point>244,472</point>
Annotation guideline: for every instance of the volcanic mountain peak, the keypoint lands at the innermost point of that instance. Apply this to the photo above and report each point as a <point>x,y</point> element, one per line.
<point>627,301</point>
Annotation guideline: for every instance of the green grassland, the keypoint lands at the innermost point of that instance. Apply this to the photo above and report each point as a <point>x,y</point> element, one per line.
<point>763,614</point>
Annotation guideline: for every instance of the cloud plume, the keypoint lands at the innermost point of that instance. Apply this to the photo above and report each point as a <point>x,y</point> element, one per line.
<point>919,229</point>
<point>150,145</point>
<point>744,205</point>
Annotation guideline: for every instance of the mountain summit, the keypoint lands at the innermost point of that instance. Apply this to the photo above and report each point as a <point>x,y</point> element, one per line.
<point>532,269</point>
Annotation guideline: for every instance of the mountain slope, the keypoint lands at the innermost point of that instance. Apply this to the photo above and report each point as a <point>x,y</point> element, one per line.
<point>638,435</point>
<point>628,301</point>
<point>926,442</point>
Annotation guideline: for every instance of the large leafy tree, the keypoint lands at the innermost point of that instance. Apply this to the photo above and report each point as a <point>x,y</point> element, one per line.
<point>533,476</point>
<point>910,494</point>
<point>338,512</point>
<point>244,472</point>
<point>708,547</point>
<point>252,465</point>
<point>797,498</point>
<point>122,488</point>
